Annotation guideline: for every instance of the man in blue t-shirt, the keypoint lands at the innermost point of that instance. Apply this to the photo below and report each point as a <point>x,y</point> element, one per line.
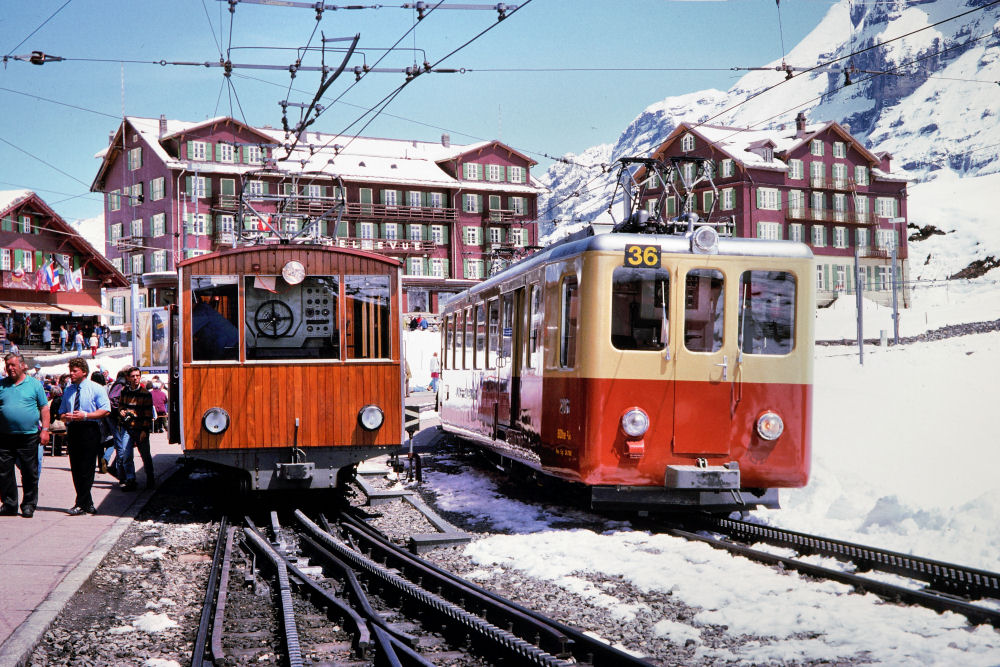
<point>22,406</point>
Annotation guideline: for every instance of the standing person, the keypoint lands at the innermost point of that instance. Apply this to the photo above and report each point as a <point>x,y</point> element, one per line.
<point>22,405</point>
<point>155,390</point>
<point>63,337</point>
<point>78,341</point>
<point>93,345</point>
<point>83,405</point>
<point>47,335</point>
<point>435,371</point>
<point>114,396</point>
<point>135,419</point>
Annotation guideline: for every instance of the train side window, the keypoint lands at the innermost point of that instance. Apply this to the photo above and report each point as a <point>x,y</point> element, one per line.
<point>215,314</point>
<point>507,326</point>
<point>291,321</point>
<point>493,341</point>
<point>535,325</point>
<point>767,312</point>
<point>470,332</point>
<point>459,340</point>
<point>640,301</point>
<point>704,299</point>
<point>366,312</point>
<point>480,358</point>
<point>447,354</point>
<point>568,321</point>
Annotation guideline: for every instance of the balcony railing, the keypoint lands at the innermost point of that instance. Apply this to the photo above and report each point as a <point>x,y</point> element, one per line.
<point>126,243</point>
<point>225,236</point>
<point>503,216</point>
<point>826,183</point>
<point>386,246</point>
<point>826,215</point>
<point>390,212</point>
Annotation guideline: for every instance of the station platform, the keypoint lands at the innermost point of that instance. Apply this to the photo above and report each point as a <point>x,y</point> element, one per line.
<point>46,558</point>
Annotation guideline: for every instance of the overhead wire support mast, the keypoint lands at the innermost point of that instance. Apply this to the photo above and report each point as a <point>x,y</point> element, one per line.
<point>421,7</point>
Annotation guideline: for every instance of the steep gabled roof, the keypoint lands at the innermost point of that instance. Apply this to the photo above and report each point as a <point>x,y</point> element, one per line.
<point>12,199</point>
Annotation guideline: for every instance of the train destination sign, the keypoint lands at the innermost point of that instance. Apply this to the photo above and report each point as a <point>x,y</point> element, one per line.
<point>642,255</point>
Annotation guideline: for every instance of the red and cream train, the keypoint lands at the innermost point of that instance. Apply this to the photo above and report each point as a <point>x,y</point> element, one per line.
<point>654,371</point>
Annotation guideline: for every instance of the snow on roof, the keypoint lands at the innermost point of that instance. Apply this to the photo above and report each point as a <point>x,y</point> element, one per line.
<point>375,160</point>
<point>10,198</point>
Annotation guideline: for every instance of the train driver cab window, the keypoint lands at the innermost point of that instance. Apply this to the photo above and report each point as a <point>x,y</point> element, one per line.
<point>493,342</point>
<point>535,325</point>
<point>704,298</point>
<point>366,317</point>
<point>447,354</point>
<point>286,321</point>
<point>567,322</point>
<point>215,335</point>
<point>640,300</point>
<point>767,312</point>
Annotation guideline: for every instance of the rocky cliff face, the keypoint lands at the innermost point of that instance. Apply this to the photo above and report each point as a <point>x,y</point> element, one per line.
<point>930,99</point>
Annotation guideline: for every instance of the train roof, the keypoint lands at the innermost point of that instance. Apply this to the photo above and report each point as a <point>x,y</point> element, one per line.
<point>594,240</point>
<point>272,247</point>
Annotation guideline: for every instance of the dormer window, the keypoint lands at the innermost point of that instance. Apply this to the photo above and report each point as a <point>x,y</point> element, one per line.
<point>687,142</point>
<point>768,154</point>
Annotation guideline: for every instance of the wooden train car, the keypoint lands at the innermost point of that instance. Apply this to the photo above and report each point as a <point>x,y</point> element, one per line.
<point>289,362</point>
<point>657,371</point>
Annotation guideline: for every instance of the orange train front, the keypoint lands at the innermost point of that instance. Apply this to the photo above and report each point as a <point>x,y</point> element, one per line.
<point>659,371</point>
<point>288,362</point>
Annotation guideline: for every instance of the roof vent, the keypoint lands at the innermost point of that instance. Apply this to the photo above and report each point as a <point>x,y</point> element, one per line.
<point>392,166</point>
<point>362,164</point>
<point>446,140</point>
<point>163,125</point>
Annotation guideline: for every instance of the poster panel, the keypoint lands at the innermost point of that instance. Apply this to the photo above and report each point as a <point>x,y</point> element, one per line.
<point>151,340</point>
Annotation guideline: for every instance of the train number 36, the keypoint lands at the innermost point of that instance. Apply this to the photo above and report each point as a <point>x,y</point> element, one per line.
<point>642,255</point>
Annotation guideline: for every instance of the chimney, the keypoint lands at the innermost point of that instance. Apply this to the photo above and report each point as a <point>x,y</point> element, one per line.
<point>446,140</point>
<point>163,126</point>
<point>111,138</point>
<point>800,124</point>
<point>847,127</point>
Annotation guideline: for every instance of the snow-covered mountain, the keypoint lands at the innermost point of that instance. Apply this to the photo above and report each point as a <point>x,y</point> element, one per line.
<point>930,99</point>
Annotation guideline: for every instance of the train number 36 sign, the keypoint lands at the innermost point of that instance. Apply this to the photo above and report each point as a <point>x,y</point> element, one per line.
<point>642,255</point>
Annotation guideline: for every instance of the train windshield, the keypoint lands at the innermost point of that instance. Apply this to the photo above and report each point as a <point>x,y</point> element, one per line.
<point>286,321</point>
<point>767,312</point>
<point>366,310</point>
<point>214,316</point>
<point>704,298</point>
<point>640,308</point>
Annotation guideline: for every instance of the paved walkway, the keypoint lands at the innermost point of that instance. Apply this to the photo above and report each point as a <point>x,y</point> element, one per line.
<point>45,559</point>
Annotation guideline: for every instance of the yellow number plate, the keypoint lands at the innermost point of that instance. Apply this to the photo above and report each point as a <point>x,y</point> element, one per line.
<point>642,255</point>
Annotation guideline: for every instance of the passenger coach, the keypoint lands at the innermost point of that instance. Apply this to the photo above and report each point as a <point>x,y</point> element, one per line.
<point>658,371</point>
<point>289,362</point>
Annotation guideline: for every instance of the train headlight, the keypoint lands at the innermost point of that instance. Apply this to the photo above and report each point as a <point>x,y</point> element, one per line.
<point>705,240</point>
<point>371,417</point>
<point>635,423</point>
<point>770,426</point>
<point>215,420</point>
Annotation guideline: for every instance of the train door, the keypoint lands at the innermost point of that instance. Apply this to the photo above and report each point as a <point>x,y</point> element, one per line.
<point>509,363</point>
<point>704,363</point>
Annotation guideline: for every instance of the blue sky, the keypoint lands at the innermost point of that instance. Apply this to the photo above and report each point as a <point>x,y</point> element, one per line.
<point>58,115</point>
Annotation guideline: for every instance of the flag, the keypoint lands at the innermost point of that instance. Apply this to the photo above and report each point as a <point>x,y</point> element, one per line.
<point>265,283</point>
<point>78,280</point>
<point>51,276</point>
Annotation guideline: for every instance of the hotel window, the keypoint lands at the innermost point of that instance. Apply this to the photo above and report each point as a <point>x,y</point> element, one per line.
<point>226,224</point>
<point>472,203</point>
<point>861,238</point>
<point>840,278</point>
<point>367,230</point>
<point>816,147</point>
<point>820,275</point>
<point>861,174</point>
<point>515,174</point>
<point>198,222</point>
<point>5,259</point>
<point>819,236</point>
<point>197,150</point>
<point>769,230</point>
<point>435,199</point>
<point>135,158</point>
<point>727,168</point>
<point>473,235</point>
<point>840,176</point>
<point>818,202</point>
<point>886,239</point>
<point>496,235</point>
<point>225,152</point>
<point>861,207</point>
<point>688,172</point>
<point>687,142</point>
<point>840,207</point>
<point>795,232</point>
<point>886,207</point>
<point>517,205</point>
<point>119,264</point>
<point>136,228</point>
<point>472,171</point>
<point>158,224</point>
<point>159,260</point>
<point>839,149</point>
<point>474,268</point>
<point>768,199</point>
<point>116,231</point>
<point>253,155</point>
<point>707,201</point>
<point>390,197</point>
<point>437,234</point>
<point>197,187</point>
<point>137,263</point>
<point>314,191</point>
<point>156,189</point>
<point>291,225</point>
<point>416,232</point>
<point>255,188</point>
<point>796,169</point>
<point>437,267</point>
<point>517,237</point>
<point>817,174</point>
<point>414,199</point>
<point>796,201</point>
<point>840,237</point>
<point>391,230</point>
<point>115,200</point>
<point>495,172</point>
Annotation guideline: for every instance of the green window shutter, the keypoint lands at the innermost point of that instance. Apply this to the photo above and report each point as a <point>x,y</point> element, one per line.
<point>187,183</point>
<point>758,230</point>
<point>445,267</point>
<point>366,195</point>
<point>425,232</point>
<point>444,237</point>
<point>190,149</point>
<point>323,228</point>
<point>826,275</point>
<point>341,229</point>
<point>76,262</point>
<point>494,202</point>
<point>8,224</point>
<point>18,257</point>
<point>38,259</point>
<point>208,187</point>
<point>228,186</point>
<point>216,153</point>
<point>208,225</point>
<point>759,197</point>
<point>381,194</point>
<point>849,272</point>
<point>780,197</point>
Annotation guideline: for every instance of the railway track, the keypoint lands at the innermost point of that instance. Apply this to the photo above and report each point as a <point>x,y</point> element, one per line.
<point>341,593</point>
<point>945,586</point>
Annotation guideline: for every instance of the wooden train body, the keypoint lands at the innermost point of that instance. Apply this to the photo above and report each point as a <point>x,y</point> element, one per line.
<point>657,371</point>
<point>288,361</point>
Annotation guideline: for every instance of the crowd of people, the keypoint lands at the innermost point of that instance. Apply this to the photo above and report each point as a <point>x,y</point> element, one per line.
<point>16,332</point>
<point>103,422</point>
